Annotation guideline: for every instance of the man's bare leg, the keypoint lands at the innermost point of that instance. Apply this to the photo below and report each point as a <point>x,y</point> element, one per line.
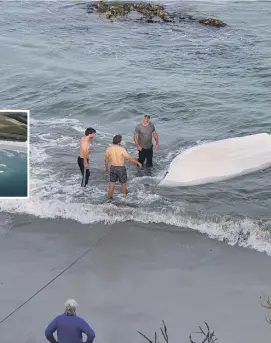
<point>111,190</point>
<point>124,189</point>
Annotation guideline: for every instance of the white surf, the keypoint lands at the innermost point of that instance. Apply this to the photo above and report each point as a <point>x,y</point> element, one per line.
<point>11,145</point>
<point>219,160</point>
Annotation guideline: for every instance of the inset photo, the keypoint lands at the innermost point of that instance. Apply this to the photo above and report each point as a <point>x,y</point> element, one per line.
<point>14,153</point>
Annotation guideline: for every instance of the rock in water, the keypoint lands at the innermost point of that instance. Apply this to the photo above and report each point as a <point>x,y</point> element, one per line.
<point>212,22</point>
<point>113,10</point>
<point>142,12</point>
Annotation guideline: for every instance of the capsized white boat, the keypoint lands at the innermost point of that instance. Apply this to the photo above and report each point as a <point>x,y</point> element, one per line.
<point>219,160</point>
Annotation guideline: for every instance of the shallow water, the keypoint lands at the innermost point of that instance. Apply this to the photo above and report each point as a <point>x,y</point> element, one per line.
<point>13,173</point>
<point>199,84</point>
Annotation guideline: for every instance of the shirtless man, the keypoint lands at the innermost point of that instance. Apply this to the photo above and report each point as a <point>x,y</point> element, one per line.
<point>144,132</point>
<point>84,152</point>
<point>116,154</point>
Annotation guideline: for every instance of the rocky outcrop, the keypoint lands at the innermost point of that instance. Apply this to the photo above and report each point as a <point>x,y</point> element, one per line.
<point>141,11</point>
<point>13,127</point>
<point>114,11</point>
<point>212,22</point>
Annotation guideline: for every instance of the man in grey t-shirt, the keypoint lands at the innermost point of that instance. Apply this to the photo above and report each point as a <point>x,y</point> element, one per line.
<point>143,140</point>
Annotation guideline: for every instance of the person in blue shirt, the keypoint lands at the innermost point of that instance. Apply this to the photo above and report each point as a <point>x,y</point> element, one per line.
<point>69,326</point>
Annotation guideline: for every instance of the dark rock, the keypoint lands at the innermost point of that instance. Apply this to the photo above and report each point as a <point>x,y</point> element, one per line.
<point>113,10</point>
<point>212,22</point>
<point>13,126</point>
<point>143,12</point>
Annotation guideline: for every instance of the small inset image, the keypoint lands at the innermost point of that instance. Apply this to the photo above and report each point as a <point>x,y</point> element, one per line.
<point>14,154</point>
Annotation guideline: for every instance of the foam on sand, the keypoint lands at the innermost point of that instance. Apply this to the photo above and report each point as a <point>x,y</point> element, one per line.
<point>11,145</point>
<point>219,160</point>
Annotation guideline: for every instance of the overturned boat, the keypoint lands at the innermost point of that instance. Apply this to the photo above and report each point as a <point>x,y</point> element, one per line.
<point>219,160</point>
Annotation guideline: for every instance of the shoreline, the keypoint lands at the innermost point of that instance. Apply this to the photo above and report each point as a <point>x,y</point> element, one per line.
<point>14,145</point>
<point>155,272</point>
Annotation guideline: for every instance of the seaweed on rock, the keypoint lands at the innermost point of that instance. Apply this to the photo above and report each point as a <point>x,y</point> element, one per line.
<point>147,12</point>
<point>212,22</point>
<point>113,11</point>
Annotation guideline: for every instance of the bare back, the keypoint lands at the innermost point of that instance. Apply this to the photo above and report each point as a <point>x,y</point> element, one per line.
<point>116,155</point>
<point>84,147</point>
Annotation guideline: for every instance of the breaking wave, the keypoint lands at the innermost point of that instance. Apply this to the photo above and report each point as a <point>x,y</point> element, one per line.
<point>51,197</point>
<point>245,233</point>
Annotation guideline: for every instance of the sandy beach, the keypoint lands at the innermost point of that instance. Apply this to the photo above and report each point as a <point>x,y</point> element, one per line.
<point>132,279</point>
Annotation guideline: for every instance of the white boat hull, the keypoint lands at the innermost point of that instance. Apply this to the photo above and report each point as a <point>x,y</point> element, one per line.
<point>219,160</point>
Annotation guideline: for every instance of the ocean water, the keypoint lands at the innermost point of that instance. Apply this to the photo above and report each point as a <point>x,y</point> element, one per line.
<point>13,173</point>
<point>73,70</point>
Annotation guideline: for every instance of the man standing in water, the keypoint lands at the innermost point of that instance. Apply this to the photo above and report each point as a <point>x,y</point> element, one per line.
<point>83,159</point>
<point>116,154</point>
<point>69,326</point>
<point>143,140</point>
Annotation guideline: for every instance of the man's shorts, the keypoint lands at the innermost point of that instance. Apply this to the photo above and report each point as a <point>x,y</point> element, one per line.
<point>118,173</point>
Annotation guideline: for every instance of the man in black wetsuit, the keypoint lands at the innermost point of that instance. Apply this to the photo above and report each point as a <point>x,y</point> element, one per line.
<point>83,159</point>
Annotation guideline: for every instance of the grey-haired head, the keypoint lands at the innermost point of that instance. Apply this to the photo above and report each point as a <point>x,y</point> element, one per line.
<point>70,307</point>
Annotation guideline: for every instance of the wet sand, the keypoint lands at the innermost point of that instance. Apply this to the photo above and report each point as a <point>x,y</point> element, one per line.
<point>131,280</point>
